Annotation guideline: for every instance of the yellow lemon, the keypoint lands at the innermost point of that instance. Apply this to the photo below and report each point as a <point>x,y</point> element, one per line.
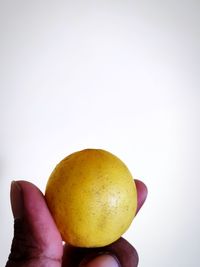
<point>92,197</point>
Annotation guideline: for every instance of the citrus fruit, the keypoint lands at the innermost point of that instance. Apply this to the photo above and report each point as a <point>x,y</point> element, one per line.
<point>92,197</point>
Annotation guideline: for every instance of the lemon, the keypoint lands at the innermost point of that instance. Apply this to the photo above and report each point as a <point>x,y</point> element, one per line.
<point>92,197</point>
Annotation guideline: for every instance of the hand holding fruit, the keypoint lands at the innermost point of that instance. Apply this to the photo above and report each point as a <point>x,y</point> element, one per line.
<point>37,241</point>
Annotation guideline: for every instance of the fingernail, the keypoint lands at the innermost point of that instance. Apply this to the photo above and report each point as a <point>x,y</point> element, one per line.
<point>16,199</point>
<point>105,260</point>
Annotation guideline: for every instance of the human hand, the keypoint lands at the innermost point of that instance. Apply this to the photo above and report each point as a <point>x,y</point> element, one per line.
<point>37,241</point>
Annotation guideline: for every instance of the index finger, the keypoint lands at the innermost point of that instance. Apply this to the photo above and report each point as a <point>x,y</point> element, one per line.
<point>142,192</point>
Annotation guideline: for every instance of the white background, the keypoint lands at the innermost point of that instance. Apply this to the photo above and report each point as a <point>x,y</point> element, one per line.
<point>118,75</point>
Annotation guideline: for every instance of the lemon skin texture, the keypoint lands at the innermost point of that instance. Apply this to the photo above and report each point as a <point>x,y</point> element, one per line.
<point>92,197</point>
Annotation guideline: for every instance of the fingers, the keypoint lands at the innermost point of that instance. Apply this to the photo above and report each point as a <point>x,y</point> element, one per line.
<point>142,192</point>
<point>36,241</point>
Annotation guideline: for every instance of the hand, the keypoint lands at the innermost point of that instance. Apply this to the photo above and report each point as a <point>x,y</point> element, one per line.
<point>37,241</point>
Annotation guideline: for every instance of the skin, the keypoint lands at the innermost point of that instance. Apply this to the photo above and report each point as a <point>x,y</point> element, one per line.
<point>37,241</point>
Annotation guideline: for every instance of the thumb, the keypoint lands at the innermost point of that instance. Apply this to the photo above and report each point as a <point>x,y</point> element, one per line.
<point>36,241</point>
